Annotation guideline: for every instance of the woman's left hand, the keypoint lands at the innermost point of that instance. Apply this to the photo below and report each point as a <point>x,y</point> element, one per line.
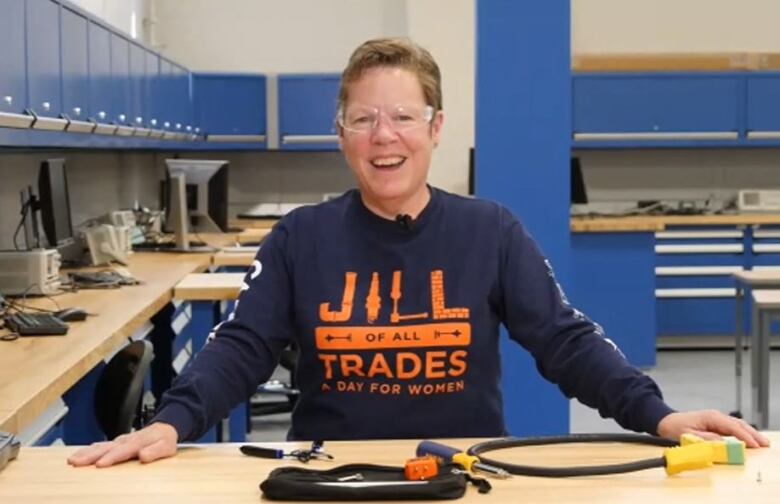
<point>710,424</point>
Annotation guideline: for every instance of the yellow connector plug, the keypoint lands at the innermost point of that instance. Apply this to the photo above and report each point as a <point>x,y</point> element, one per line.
<point>726,451</point>
<point>685,458</point>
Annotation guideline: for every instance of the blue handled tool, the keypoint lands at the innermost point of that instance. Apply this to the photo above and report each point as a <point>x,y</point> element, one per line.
<point>450,454</point>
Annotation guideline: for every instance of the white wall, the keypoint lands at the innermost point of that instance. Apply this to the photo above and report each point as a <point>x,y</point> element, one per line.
<point>604,26</point>
<point>119,13</point>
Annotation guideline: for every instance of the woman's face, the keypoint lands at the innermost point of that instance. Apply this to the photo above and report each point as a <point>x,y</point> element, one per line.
<point>392,135</point>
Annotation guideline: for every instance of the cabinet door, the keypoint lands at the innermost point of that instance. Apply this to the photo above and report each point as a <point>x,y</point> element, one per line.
<point>120,79</point>
<point>230,108</point>
<point>137,82</point>
<point>151,100</point>
<point>43,57</point>
<point>13,96</point>
<point>181,85</point>
<point>165,95</point>
<point>763,106</point>
<point>307,112</point>
<point>101,107</point>
<point>655,107</point>
<point>75,66</point>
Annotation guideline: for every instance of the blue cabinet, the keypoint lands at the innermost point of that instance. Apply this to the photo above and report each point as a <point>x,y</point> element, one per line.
<point>307,111</point>
<point>100,92</point>
<point>13,93</point>
<point>120,80</point>
<point>137,78</point>
<point>43,58</point>
<point>695,293</point>
<point>231,108</point>
<point>656,109</point>
<point>151,90</point>
<point>612,284</point>
<point>763,106</point>
<point>75,66</point>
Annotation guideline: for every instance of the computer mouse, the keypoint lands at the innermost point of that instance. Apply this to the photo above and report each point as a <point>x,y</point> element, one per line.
<point>71,314</point>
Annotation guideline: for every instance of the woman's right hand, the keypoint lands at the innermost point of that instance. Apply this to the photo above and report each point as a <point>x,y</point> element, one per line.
<point>151,443</point>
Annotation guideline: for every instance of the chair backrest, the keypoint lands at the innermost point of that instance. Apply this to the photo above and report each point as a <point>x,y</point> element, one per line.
<point>119,388</point>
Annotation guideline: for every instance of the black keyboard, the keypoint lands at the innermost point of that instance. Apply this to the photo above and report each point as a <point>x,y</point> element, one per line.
<point>35,324</point>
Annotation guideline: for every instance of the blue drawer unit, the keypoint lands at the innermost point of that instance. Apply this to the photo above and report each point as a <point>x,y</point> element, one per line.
<point>695,293</point>
<point>231,108</point>
<point>120,81</point>
<point>763,106</point>
<point>766,247</point>
<point>612,283</point>
<point>613,110</point>
<point>43,63</point>
<point>13,92</point>
<point>75,68</point>
<point>307,111</point>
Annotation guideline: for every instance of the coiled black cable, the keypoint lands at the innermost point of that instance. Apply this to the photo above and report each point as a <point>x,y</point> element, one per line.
<point>566,472</point>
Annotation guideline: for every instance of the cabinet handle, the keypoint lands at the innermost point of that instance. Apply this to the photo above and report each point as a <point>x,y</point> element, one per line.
<point>188,128</point>
<point>708,248</point>
<point>46,106</point>
<point>9,100</point>
<point>178,126</point>
<point>652,135</point>
<point>102,115</point>
<point>76,111</point>
<point>197,130</point>
<point>235,138</point>
<point>166,124</point>
<point>309,139</point>
<point>696,293</point>
<point>20,121</point>
<point>763,135</point>
<point>139,120</point>
<point>122,117</point>
<point>153,122</point>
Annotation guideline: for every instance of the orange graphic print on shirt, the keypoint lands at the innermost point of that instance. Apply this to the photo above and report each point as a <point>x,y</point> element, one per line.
<point>419,353</point>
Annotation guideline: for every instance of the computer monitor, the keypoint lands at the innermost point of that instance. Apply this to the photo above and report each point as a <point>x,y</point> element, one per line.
<point>205,193</point>
<point>54,205</point>
<point>578,194</point>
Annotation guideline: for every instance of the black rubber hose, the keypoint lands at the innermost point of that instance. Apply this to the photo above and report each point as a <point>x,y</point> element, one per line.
<point>566,472</point>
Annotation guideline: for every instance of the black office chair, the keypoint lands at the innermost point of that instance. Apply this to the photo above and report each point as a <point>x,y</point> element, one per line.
<point>119,388</point>
<point>287,390</point>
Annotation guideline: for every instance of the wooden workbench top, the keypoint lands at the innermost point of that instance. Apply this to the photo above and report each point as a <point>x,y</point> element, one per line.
<point>220,473</point>
<point>652,223</point>
<point>209,287</point>
<point>35,371</point>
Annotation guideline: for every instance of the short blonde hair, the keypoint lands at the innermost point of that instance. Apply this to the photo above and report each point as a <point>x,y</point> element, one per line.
<point>394,53</point>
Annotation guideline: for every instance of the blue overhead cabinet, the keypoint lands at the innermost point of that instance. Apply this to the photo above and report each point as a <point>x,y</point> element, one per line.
<point>183,115</point>
<point>101,108</point>
<point>75,72</point>
<point>231,108</point>
<point>656,109</point>
<point>152,94</point>
<point>307,111</point>
<point>13,92</point>
<point>120,85</point>
<point>137,90</point>
<point>44,99</point>
<point>763,107</point>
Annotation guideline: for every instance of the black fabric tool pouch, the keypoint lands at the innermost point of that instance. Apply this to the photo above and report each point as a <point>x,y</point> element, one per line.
<point>363,482</point>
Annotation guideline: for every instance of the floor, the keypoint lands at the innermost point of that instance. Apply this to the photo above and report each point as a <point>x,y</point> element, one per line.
<point>689,380</point>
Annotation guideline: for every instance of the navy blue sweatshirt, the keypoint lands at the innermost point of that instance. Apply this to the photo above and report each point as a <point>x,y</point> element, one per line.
<point>398,328</point>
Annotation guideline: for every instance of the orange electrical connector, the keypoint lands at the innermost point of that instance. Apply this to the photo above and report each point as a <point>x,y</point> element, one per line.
<point>421,468</point>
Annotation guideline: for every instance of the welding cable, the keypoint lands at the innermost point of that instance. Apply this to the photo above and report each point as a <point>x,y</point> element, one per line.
<point>571,471</point>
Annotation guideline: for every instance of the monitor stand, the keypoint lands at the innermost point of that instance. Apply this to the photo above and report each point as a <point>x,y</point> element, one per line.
<point>180,218</point>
